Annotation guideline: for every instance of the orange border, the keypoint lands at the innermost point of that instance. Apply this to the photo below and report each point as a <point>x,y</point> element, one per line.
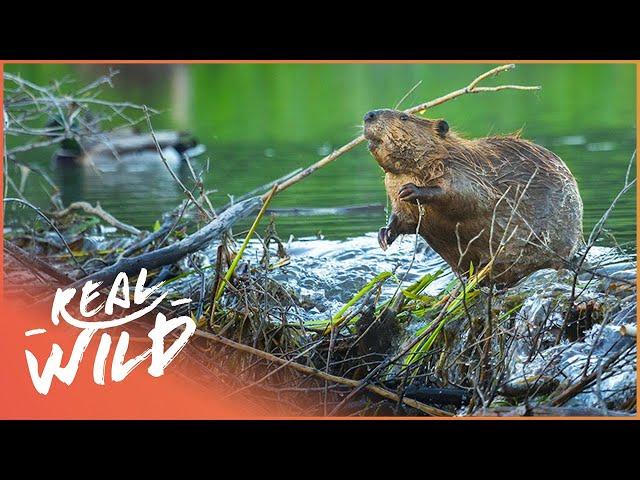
<point>636,62</point>
<point>2,181</point>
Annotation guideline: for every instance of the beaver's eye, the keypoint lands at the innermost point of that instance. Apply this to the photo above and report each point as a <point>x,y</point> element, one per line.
<point>404,117</point>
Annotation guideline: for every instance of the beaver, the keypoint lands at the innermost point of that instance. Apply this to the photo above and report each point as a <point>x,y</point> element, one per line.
<point>501,197</point>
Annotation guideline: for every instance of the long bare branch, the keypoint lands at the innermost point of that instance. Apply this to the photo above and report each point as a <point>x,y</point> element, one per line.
<point>383,392</point>
<point>469,89</point>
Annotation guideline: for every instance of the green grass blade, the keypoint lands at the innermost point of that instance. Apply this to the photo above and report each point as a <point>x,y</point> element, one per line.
<point>252,230</point>
<point>338,318</point>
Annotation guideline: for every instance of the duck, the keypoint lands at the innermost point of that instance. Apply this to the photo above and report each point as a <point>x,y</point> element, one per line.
<point>119,144</point>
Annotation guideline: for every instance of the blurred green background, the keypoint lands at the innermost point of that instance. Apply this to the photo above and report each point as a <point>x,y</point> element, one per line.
<point>260,121</point>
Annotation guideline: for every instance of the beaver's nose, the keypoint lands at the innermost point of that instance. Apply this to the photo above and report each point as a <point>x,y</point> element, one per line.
<point>371,116</point>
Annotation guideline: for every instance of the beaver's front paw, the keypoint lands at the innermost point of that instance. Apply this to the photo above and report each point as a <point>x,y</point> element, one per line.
<point>386,236</point>
<point>409,193</point>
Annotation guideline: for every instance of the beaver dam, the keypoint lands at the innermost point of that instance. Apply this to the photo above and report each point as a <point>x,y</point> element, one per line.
<point>308,326</point>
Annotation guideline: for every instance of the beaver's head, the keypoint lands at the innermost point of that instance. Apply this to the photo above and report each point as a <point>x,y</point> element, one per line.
<point>399,140</point>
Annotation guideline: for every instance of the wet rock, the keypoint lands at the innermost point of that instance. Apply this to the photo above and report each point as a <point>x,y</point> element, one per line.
<point>616,268</point>
<point>542,350</point>
<point>92,244</point>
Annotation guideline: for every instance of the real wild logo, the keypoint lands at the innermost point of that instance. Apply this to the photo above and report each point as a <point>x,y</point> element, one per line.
<point>119,295</point>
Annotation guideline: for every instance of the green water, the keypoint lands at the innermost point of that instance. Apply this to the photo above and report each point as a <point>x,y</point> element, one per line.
<point>261,121</point>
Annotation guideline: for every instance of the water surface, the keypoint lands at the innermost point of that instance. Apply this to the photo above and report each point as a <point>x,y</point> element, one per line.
<point>259,122</point>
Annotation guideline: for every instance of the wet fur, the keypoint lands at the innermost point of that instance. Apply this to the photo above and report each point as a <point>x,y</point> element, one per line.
<point>526,185</point>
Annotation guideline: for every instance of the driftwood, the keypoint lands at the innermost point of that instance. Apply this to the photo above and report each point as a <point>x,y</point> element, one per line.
<point>175,252</point>
<point>41,214</point>
<point>455,397</point>
<point>365,382</point>
<point>71,114</point>
<point>164,229</point>
<point>98,212</point>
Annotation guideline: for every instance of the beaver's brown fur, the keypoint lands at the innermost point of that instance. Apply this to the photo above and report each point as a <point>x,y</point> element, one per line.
<point>498,197</point>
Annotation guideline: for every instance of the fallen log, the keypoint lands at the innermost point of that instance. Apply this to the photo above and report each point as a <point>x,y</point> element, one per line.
<point>164,229</point>
<point>173,253</point>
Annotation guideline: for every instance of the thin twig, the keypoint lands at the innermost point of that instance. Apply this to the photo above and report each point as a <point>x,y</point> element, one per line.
<point>383,392</point>
<point>364,383</point>
<point>98,212</point>
<point>186,191</point>
<point>46,219</point>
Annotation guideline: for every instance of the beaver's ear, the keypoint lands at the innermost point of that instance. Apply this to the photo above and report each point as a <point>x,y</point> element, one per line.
<point>442,127</point>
